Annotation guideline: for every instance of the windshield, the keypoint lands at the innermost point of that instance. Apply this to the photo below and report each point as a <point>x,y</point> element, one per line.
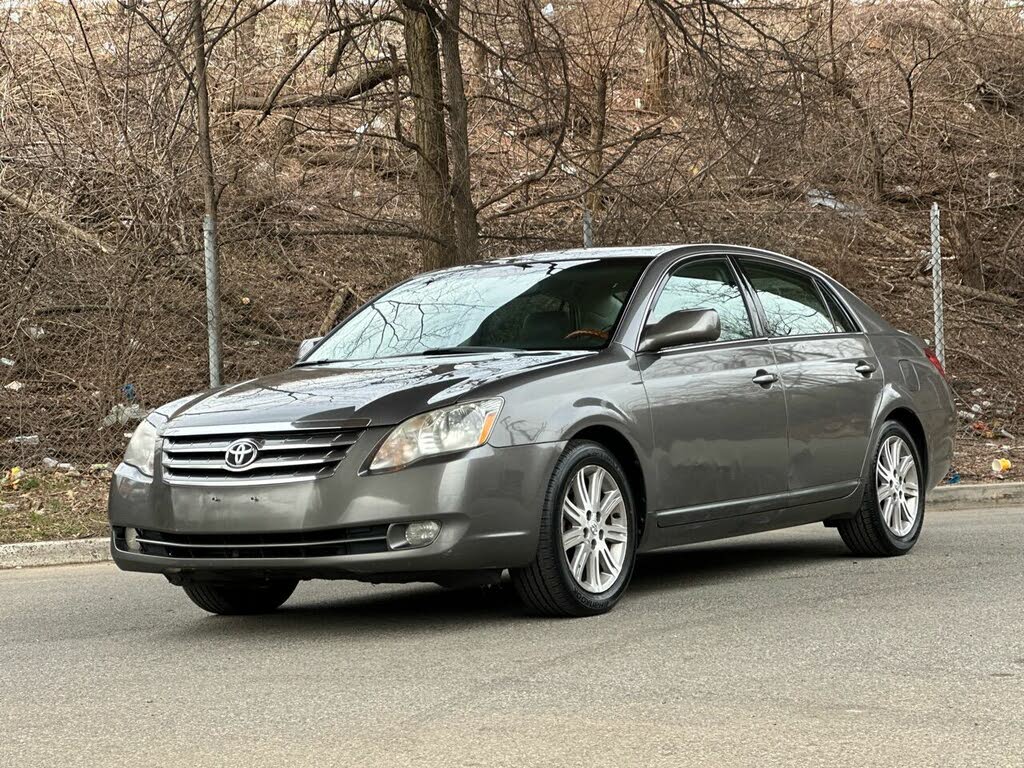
<point>539,305</point>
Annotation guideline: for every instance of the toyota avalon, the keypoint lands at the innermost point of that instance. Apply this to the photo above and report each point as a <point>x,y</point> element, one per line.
<point>550,415</point>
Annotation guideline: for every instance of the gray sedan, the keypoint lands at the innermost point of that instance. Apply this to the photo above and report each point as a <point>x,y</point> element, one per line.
<point>552,415</point>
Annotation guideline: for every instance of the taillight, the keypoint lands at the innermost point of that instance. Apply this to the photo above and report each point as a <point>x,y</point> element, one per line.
<point>934,360</point>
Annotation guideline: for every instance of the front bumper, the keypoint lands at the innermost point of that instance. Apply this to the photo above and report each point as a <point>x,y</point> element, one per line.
<point>488,501</point>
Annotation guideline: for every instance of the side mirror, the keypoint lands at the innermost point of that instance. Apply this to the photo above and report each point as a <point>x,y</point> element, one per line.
<point>307,346</point>
<point>687,326</point>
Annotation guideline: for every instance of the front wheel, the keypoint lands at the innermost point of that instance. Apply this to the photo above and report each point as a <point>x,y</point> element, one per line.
<point>587,543</point>
<point>889,520</point>
<point>241,598</point>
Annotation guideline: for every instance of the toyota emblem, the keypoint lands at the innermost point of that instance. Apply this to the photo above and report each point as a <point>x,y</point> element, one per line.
<point>241,453</point>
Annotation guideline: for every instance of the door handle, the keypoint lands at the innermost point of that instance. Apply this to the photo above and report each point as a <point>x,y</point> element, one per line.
<point>765,379</point>
<point>864,368</point>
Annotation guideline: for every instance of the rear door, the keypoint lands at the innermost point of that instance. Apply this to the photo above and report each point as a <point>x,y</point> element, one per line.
<point>831,376</point>
<point>720,436</point>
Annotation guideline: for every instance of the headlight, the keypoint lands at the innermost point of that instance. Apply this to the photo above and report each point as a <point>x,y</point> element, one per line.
<point>446,430</point>
<point>141,452</point>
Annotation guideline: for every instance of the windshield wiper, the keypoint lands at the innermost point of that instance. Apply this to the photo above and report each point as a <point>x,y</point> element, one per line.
<point>466,350</point>
<point>317,362</point>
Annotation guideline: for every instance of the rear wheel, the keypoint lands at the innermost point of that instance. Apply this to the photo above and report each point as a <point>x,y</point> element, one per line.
<point>889,520</point>
<point>587,540</point>
<point>241,598</point>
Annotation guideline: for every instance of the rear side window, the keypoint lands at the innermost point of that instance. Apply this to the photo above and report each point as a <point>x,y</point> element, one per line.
<point>840,317</point>
<point>706,284</point>
<point>791,302</point>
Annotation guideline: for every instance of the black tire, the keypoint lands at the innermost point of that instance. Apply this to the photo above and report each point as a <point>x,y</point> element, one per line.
<point>547,586</point>
<point>866,533</point>
<point>240,599</point>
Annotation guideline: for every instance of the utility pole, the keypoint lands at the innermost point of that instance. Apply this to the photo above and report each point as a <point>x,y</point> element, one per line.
<point>940,341</point>
<point>209,194</point>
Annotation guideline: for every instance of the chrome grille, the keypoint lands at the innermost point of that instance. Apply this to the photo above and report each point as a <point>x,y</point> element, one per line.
<point>284,456</point>
<point>356,540</point>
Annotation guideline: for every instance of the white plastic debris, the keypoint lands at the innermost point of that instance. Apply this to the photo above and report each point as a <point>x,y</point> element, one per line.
<point>820,198</point>
<point>6,361</point>
<point>50,463</point>
<point>34,331</point>
<point>976,408</point>
<point>14,386</point>
<point>122,413</point>
<point>548,10</point>
<point>25,440</point>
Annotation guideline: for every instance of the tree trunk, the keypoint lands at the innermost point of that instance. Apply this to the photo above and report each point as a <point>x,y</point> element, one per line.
<point>209,194</point>
<point>598,117</point>
<point>479,80</point>
<point>527,30</point>
<point>656,83</point>
<point>466,228</point>
<point>432,176</point>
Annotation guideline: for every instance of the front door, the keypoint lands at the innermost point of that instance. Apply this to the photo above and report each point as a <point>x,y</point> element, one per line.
<point>719,435</point>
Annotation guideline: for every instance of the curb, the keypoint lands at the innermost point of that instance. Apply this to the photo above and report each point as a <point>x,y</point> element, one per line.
<point>34,553</point>
<point>37,553</point>
<point>982,494</point>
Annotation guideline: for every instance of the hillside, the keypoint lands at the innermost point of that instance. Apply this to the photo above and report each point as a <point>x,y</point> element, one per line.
<point>824,138</point>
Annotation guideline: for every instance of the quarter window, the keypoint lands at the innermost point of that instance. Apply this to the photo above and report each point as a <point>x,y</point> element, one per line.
<point>840,318</point>
<point>707,284</point>
<point>791,302</point>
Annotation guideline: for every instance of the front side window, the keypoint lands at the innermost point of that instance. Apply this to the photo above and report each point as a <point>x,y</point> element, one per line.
<point>706,284</point>
<point>791,302</point>
<point>520,306</point>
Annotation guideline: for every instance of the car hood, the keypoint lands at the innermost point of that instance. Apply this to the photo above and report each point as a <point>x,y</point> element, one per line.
<point>379,392</point>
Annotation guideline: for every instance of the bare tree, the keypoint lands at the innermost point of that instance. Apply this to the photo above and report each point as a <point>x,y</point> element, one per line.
<point>209,183</point>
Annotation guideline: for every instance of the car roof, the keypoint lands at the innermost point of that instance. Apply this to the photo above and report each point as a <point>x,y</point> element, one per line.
<point>646,252</point>
<point>573,254</point>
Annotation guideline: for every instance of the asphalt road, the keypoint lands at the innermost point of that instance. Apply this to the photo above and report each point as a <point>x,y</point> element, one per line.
<point>763,651</point>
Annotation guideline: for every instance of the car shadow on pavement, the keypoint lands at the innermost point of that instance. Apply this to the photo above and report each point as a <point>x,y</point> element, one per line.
<point>700,565</point>
<point>425,609</point>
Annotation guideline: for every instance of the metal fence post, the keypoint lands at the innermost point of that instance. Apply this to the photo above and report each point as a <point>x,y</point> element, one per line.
<point>940,343</point>
<point>588,229</point>
<point>212,298</point>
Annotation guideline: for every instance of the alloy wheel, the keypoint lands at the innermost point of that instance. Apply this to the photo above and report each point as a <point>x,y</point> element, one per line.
<point>594,530</point>
<point>896,485</point>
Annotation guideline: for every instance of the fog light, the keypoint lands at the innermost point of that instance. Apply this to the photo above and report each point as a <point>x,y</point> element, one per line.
<point>422,532</point>
<point>131,540</point>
